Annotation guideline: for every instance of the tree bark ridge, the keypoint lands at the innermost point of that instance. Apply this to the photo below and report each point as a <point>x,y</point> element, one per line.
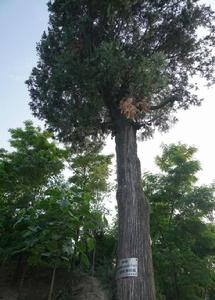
<point>133,210</point>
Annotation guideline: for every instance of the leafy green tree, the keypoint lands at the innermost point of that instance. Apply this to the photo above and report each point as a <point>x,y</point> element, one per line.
<point>63,222</point>
<point>33,162</point>
<point>88,186</point>
<point>24,172</point>
<point>118,67</point>
<point>45,220</point>
<point>182,226</point>
<point>90,172</point>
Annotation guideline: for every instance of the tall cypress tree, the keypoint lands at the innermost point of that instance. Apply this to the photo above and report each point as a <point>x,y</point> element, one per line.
<point>122,67</point>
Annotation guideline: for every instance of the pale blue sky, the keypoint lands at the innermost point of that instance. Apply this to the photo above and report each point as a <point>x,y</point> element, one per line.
<point>21,25</point>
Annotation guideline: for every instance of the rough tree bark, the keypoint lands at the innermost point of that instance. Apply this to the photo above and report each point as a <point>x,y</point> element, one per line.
<point>133,211</point>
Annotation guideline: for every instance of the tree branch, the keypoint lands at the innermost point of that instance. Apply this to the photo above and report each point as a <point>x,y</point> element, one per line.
<point>162,104</point>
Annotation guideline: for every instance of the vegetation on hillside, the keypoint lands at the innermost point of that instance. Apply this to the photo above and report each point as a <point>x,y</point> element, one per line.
<point>57,223</point>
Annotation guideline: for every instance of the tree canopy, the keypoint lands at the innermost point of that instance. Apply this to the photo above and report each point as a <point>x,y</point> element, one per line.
<point>133,56</point>
<point>46,219</point>
<point>182,228</point>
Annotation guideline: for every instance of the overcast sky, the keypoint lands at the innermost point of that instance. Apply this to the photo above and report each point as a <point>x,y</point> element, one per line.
<point>21,25</point>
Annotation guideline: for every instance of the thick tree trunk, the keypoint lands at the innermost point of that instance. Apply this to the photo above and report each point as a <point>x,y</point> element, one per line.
<point>133,210</point>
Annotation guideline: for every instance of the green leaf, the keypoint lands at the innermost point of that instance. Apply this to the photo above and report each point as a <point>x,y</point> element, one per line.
<point>90,244</point>
<point>85,260</point>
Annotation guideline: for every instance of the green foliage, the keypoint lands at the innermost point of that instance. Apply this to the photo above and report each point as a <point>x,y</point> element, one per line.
<point>33,162</point>
<point>52,222</point>
<point>91,171</point>
<point>96,54</point>
<point>45,219</point>
<point>182,226</point>
<point>24,173</point>
<point>49,235</point>
<point>88,185</point>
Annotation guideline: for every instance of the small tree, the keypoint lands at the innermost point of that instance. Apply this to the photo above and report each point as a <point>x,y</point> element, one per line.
<point>24,172</point>
<point>88,185</point>
<point>182,226</point>
<point>117,67</point>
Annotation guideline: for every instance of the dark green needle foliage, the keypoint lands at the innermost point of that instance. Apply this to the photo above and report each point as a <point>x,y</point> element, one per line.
<point>99,56</point>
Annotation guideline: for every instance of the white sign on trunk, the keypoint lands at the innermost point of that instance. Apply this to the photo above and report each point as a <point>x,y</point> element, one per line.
<point>127,267</point>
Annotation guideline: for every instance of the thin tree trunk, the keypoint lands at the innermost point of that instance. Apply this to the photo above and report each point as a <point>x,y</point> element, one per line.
<point>133,211</point>
<point>176,282</point>
<point>74,258</point>
<point>52,284</point>
<point>22,280</point>
<point>93,260</point>
<point>18,269</point>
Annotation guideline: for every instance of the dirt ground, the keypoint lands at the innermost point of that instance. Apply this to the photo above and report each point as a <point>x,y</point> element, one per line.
<point>8,294</point>
<point>36,285</point>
